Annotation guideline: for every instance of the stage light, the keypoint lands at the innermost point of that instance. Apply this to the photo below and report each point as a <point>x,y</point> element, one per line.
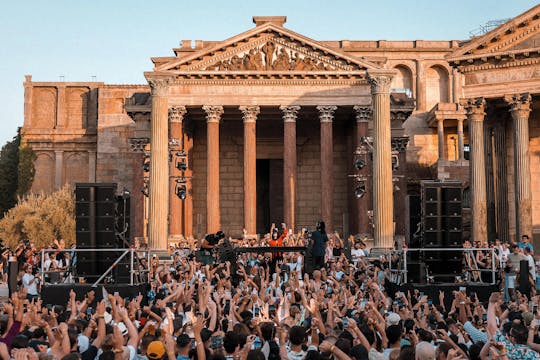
<point>359,164</point>
<point>181,192</point>
<point>182,166</point>
<point>181,162</point>
<point>360,190</point>
<point>146,164</point>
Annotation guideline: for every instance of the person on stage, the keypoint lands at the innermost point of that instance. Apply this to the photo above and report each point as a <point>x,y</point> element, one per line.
<point>277,240</point>
<point>319,239</point>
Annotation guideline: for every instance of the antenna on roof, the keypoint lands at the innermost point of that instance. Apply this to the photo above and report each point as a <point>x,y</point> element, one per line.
<point>62,78</point>
<point>93,78</point>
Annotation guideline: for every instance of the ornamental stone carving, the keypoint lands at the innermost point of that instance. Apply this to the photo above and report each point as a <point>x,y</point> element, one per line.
<point>213,113</point>
<point>176,113</point>
<point>160,86</point>
<point>138,145</point>
<point>363,113</point>
<point>290,113</point>
<point>520,104</point>
<point>272,53</point>
<point>249,113</point>
<point>326,113</point>
<point>475,108</point>
<point>380,80</point>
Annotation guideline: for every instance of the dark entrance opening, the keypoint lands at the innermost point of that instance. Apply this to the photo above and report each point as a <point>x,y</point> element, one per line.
<point>269,194</point>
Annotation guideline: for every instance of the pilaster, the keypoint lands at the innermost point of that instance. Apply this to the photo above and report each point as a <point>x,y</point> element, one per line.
<point>176,205</point>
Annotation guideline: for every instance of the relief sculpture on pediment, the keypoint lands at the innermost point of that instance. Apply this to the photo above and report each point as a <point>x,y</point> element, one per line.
<point>273,57</point>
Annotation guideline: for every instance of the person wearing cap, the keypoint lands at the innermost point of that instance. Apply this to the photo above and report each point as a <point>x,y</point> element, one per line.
<point>156,350</point>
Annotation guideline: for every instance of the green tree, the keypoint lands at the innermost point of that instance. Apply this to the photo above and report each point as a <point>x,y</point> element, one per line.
<point>41,219</point>
<point>26,170</point>
<point>9,164</point>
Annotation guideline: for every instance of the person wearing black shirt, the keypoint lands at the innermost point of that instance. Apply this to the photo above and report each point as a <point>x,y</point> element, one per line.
<point>319,239</point>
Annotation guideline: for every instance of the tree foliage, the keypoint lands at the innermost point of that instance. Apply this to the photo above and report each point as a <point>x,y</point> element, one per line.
<point>26,170</point>
<point>9,163</point>
<point>41,219</point>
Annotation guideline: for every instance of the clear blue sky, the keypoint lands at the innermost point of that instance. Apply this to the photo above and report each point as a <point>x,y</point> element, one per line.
<point>114,39</point>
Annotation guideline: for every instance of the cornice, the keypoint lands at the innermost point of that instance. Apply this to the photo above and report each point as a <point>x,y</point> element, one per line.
<point>501,63</point>
<point>274,81</point>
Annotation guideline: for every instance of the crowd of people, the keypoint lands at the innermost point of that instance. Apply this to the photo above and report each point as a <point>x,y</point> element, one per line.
<point>264,306</point>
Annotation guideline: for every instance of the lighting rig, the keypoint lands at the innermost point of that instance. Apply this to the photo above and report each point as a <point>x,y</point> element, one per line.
<point>180,160</point>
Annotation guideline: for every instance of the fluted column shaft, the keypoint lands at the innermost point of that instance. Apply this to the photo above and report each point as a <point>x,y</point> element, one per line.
<point>520,108</point>
<point>440,137</point>
<point>159,166</point>
<point>461,141</point>
<point>290,114</point>
<point>383,212</point>
<point>501,180</point>
<point>176,213</point>
<point>213,216</point>
<point>363,117</point>
<point>249,114</point>
<point>326,117</point>
<point>475,116</point>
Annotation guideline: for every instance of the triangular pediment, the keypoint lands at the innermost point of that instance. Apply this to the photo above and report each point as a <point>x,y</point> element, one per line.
<point>267,48</point>
<point>521,33</point>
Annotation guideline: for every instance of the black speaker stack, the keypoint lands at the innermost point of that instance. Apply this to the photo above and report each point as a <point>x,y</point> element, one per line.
<point>442,228</point>
<point>102,222</point>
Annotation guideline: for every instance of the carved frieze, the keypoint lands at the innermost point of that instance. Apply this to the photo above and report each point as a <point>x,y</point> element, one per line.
<point>271,53</point>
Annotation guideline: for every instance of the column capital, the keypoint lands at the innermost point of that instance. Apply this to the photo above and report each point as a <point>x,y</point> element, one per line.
<point>380,80</point>
<point>363,113</point>
<point>326,113</point>
<point>213,113</point>
<point>399,115</point>
<point>249,113</point>
<point>176,113</point>
<point>160,86</point>
<point>520,104</point>
<point>290,112</point>
<point>475,108</point>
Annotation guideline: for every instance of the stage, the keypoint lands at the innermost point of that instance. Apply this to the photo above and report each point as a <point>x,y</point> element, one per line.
<point>58,294</point>
<point>483,291</point>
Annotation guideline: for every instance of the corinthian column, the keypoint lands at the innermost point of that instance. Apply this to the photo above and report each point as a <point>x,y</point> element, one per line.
<point>213,217</point>
<point>520,108</point>
<point>176,215</point>
<point>289,164</point>
<point>326,116</point>
<point>363,117</point>
<point>383,197</point>
<point>159,166</point>
<point>249,114</point>
<point>475,116</point>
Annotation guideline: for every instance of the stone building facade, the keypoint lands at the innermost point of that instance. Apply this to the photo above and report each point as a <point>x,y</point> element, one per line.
<point>271,123</point>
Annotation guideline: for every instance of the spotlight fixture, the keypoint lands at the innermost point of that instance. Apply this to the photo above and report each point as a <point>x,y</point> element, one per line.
<point>182,166</point>
<point>359,164</point>
<point>146,164</point>
<point>395,160</point>
<point>181,162</point>
<point>181,189</point>
<point>360,190</point>
<point>181,192</point>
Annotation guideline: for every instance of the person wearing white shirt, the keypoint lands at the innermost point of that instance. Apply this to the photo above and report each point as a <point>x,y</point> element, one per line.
<point>30,283</point>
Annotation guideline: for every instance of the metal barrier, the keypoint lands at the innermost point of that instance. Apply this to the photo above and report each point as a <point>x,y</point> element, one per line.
<point>133,257</point>
<point>468,268</point>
